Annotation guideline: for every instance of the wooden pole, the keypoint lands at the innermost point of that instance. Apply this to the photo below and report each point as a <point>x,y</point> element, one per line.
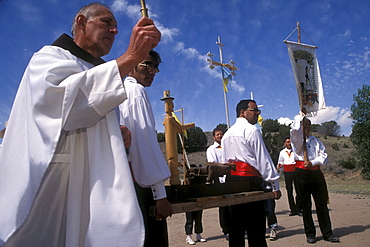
<point>305,156</point>
<point>144,10</point>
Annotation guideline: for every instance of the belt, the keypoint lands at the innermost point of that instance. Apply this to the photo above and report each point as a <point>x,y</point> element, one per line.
<point>300,164</point>
<point>245,170</point>
<point>289,168</point>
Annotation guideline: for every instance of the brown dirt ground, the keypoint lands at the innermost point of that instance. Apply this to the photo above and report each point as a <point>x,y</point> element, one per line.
<point>350,216</point>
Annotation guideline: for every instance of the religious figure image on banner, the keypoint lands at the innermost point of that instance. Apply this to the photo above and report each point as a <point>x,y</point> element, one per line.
<point>307,76</point>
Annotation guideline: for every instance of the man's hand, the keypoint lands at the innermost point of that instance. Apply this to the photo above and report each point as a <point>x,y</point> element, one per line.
<point>144,37</point>
<point>126,136</point>
<point>277,195</point>
<point>163,209</point>
<point>307,164</point>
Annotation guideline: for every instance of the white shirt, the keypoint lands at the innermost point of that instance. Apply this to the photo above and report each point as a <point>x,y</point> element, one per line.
<point>286,157</point>
<point>65,105</point>
<point>243,142</point>
<point>214,154</point>
<point>148,164</point>
<point>316,151</point>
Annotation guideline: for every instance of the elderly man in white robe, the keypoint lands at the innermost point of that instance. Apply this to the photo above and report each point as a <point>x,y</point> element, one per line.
<point>64,174</point>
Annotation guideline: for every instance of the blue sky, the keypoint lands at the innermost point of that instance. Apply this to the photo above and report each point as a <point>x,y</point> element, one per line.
<point>252,33</point>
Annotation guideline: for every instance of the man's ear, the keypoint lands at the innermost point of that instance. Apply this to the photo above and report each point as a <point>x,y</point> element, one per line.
<point>81,22</point>
<point>131,73</point>
<point>241,112</point>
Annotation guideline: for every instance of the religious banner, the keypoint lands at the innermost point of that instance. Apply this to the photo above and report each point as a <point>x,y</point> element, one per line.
<point>307,76</point>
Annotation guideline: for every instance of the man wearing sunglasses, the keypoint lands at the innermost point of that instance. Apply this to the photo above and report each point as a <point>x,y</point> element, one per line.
<point>148,165</point>
<point>243,145</point>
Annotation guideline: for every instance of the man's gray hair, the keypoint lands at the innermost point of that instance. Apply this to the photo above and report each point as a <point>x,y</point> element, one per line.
<point>89,11</point>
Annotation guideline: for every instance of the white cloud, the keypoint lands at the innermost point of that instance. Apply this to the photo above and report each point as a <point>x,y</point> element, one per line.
<point>285,120</point>
<point>133,12</point>
<point>235,86</point>
<point>346,33</point>
<point>330,113</point>
<point>30,13</point>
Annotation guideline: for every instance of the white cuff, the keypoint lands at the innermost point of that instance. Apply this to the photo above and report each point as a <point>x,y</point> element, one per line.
<point>275,185</point>
<point>159,191</point>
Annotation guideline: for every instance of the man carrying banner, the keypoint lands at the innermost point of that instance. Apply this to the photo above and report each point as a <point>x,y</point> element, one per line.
<point>243,145</point>
<point>311,181</point>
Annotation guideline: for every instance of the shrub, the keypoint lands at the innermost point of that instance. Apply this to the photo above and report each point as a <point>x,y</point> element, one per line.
<point>195,142</point>
<point>335,146</point>
<point>348,163</point>
<point>160,137</point>
<point>345,145</point>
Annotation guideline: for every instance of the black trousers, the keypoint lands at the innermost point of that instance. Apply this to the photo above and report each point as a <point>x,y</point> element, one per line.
<point>312,183</point>
<point>155,231</point>
<point>248,217</point>
<point>224,218</point>
<point>196,217</point>
<point>270,205</point>
<point>290,179</point>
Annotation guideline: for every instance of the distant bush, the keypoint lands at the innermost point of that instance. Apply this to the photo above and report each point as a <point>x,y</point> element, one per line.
<point>335,146</point>
<point>325,137</point>
<point>345,145</point>
<point>196,141</point>
<point>160,137</point>
<point>348,163</point>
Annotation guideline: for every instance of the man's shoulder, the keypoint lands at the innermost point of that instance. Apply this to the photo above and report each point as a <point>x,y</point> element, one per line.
<point>133,87</point>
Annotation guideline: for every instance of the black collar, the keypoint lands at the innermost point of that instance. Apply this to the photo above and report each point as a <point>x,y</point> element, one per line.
<point>67,43</point>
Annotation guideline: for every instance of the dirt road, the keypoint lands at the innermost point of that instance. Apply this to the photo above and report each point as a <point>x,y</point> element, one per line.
<point>350,216</point>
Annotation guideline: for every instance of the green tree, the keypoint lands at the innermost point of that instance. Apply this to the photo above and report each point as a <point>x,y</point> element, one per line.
<point>196,141</point>
<point>360,131</point>
<point>270,125</point>
<point>315,127</point>
<point>271,141</point>
<point>330,128</point>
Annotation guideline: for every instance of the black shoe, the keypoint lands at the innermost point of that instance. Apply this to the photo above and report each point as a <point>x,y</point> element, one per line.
<point>300,214</point>
<point>311,240</point>
<point>333,239</point>
<point>226,236</point>
<point>292,214</point>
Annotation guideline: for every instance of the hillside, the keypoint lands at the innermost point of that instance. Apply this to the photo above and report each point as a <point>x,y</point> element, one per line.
<point>331,170</point>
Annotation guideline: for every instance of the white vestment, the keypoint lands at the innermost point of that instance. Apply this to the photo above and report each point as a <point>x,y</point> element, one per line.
<point>64,174</point>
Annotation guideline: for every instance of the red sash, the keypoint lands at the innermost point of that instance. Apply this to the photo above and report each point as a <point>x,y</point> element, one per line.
<point>245,170</point>
<point>300,164</point>
<point>289,168</point>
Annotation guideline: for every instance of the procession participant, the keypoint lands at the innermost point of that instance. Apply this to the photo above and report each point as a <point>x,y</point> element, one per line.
<point>214,154</point>
<point>64,174</point>
<point>243,145</point>
<point>270,205</point>
<point>311,180</point>
<point>286,161</point>
<point>149,167</point>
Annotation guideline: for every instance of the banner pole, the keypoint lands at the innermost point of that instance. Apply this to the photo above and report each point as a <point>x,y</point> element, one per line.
<point>144,10</point>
